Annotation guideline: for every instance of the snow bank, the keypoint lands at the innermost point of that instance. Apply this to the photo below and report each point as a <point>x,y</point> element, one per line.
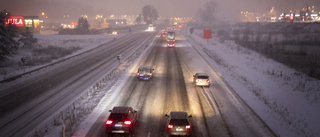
<point>286,100</point>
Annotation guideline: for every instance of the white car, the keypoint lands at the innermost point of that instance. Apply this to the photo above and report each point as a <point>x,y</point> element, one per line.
<point>201,79</point>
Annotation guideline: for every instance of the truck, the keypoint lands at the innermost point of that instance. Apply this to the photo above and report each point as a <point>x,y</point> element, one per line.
<point>171,39</point>
<point>171,36</point>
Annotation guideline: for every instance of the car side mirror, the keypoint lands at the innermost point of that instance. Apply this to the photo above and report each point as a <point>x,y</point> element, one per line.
<point>110,110</point>
<point>190,116</point>
<point>194,75</point>
<point>135,111</point>
<point>166,115</point>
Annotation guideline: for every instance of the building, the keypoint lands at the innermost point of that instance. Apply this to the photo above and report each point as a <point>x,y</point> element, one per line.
<point>24,22</point>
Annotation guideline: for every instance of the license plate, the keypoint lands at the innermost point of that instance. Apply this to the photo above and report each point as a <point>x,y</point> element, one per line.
<point>118,125</point>
<point>179,129</point>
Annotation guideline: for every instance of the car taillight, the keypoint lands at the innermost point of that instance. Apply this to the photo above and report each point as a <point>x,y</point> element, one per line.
<point>188,126</point>
<point>128,122</point>
<point>138,74</point>
<point>168,44</point>
<point>172,44</point>
<point>150,74</point>
<point>208,81</point>
<point>109,122</point>
<point>197,80</point>
<point>170,126</point>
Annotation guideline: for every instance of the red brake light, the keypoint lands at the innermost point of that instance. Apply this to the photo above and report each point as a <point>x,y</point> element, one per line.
<point>188,126</point>
<point>128,122</point>
<point>170,126</point>
<point>208,81</point>
<point>138,74</point>
<point>197,80</point>
<point>109,122</point>
<point>150,74</point>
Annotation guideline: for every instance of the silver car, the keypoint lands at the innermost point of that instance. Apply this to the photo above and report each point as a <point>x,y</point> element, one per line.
<point>144,73</point>
<point>201,79</point>
<point>178,123</point>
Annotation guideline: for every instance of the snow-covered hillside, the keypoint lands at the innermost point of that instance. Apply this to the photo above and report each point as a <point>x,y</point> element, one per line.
<point>285,99</point>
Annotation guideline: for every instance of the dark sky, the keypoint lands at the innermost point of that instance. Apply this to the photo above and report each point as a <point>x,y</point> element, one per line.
<point>228,9</point>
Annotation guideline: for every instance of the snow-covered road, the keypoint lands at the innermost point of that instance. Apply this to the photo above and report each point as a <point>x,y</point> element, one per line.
<point>39,98</point>
<point>217,111</point>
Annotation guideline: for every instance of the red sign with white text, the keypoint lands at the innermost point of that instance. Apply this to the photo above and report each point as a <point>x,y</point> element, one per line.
<point>207,34</point>
<point>14,20</point>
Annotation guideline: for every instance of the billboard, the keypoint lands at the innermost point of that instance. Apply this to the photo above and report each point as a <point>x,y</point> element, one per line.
<point>14,20</point>
<point>207,34</point>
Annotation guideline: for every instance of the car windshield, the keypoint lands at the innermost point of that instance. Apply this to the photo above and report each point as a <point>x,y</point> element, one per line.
<point>143,71</point>
<point>203,77</point>
<point>118,116</point>
<point>179,122</point>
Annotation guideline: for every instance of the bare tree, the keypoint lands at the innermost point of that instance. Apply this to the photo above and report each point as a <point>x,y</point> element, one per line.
<point>150,14</point>
<point>207,13</point>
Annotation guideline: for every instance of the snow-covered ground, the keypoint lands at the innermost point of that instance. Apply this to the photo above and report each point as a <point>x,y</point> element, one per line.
<point>49,38</point>
<point>285,99</point>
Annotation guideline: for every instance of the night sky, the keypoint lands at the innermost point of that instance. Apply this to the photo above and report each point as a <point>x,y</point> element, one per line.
<point>227,9</point>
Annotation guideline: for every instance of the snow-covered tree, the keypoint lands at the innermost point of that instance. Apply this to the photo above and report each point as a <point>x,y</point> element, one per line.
<point>27,39</point>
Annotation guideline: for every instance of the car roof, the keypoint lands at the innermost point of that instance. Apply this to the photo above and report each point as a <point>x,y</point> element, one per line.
<point>145,67</point>
<point>202,74</point>
<point>121,110</point>
<point>178,115</point>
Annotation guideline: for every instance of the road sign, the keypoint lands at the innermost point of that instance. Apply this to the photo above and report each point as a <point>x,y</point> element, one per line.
<point>207,34</point>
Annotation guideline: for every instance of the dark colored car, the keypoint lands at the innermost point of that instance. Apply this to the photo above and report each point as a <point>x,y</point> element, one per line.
<point>122,120</point>
<point>144,73</point>
<point>178,123</point>
<point>201,79</point>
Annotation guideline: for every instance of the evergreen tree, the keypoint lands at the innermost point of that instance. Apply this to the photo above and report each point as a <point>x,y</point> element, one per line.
<point>83,25</point>
<point>8,44</point>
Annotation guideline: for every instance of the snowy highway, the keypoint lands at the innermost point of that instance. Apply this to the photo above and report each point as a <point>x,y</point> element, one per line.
<point>29,101</point>
<point>216,111</point>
